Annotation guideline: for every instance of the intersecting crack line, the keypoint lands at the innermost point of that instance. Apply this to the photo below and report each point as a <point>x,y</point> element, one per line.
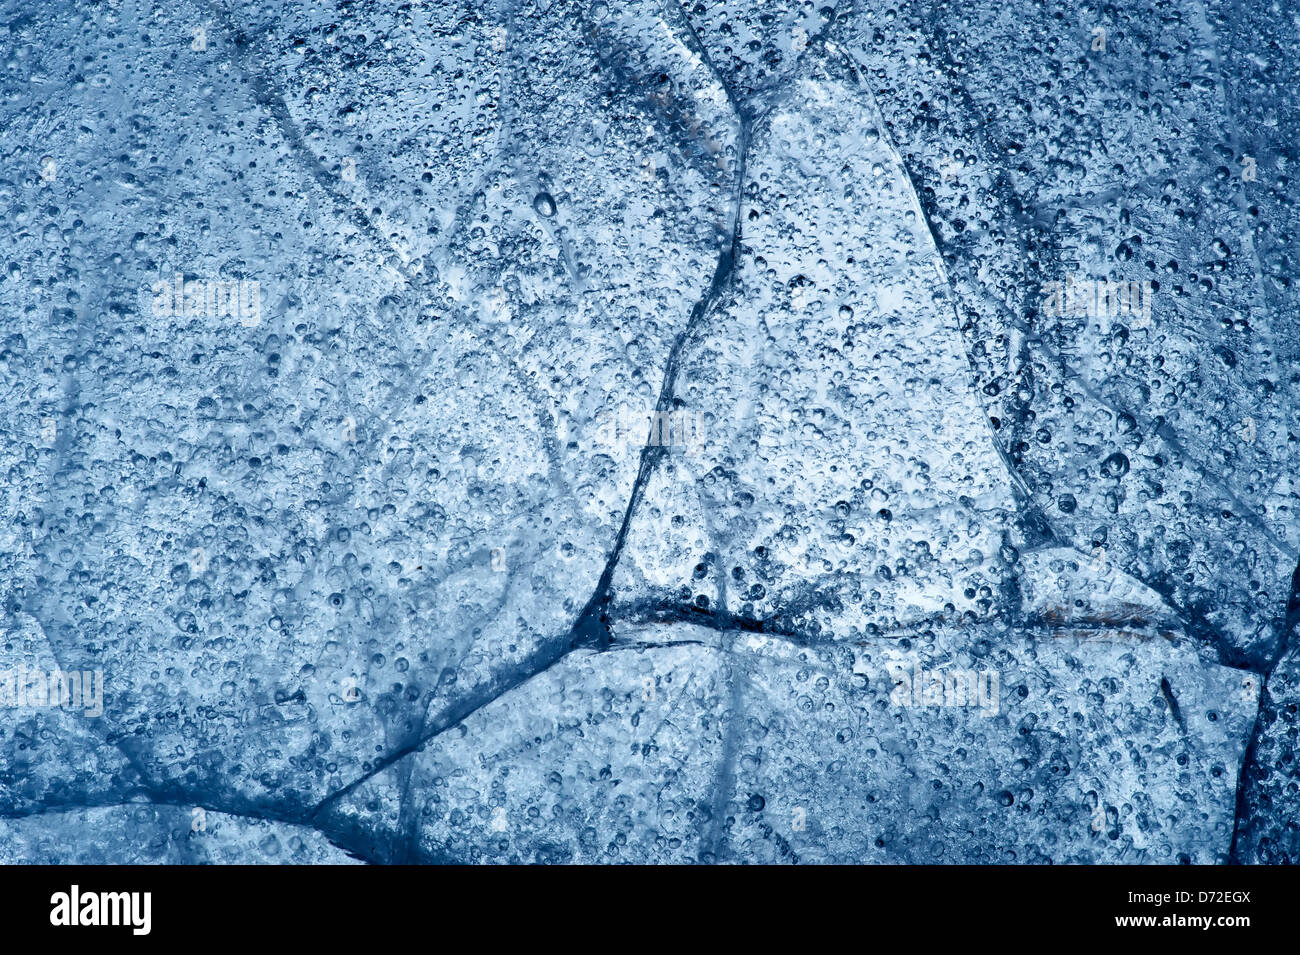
<point>724,775</point>
<point>1167,435</point>
<point>820,40</point>
<point>270,97</point>
<point>590,629</point>
<point>1248,758</point>
<point>467,195</point>
<point>273,100</point>
<point>1032,337</point>
<point>156,793</point>
<point>543,659</point>
<point>285,121</point>
<point>650,453</point>
<point>541,662</point>
<point>589,626</point>
<point>775,92</point>
<point>1164,432</point>
<point>857,66</point>
<point>591,619</point>
<point>538,662</point>
<point>1241,812</point>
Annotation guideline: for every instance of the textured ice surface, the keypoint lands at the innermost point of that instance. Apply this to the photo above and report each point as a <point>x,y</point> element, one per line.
<point>376,568</point>
<point>152,834</point>
<point>746,746</point>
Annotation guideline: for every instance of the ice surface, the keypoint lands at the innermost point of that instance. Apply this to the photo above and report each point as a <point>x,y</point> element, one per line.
<point>622,399</point>
<point>160,834</point>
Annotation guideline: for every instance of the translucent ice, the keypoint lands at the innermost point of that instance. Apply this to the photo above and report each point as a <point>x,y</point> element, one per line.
<point>655,432</point>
